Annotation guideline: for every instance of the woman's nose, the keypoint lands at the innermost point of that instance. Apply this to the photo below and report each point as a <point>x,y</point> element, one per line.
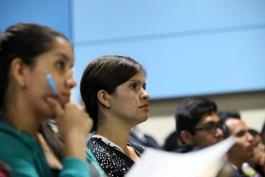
<point>70,82</point>
<point>144,94</point>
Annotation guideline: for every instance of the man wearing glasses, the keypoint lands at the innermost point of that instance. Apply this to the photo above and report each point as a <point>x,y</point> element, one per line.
<point>197,124</point>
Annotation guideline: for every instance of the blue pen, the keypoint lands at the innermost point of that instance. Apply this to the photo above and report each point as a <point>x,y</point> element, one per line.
<point>52,84</point>
<point>53,87</point>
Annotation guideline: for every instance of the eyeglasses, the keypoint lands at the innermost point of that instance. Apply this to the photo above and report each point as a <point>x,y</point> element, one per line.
<point>210,127</point>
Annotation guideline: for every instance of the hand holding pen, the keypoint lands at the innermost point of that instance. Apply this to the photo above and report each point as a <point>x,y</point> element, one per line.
<point>73,123</point>
<point>90,155</point>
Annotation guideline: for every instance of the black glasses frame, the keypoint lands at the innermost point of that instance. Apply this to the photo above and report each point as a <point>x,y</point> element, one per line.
<point>209,127</point>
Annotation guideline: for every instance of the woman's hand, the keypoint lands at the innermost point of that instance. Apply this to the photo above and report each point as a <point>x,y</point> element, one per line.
<point>74,125</point>
<point>52,160</point>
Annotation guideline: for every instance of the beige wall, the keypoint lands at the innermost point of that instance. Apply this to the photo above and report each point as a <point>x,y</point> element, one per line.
<point>251,106</point>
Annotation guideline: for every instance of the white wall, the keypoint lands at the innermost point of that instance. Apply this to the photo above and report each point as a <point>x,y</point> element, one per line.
<point>254,118</point>
<point>159,127</point>
<point>250,105</point>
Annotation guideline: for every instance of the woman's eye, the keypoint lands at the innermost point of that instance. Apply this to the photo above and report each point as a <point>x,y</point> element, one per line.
<point>60,65</point>
<point>137,86</point>
<point>144,86</point>
<point>134,86</point>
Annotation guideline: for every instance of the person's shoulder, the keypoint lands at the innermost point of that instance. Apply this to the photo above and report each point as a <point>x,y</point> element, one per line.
<point>138,147</point>
<point>94,141</point>
<point>8,136</point>
<point>14,143</point>
<point>96,144</point>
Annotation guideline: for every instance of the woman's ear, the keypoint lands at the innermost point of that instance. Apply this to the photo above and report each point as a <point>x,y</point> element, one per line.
<point>186,137</point>
<point>103,98</point>
<point>17,70</point>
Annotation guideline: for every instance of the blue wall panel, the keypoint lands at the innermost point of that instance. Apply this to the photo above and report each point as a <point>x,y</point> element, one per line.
<point>188,47</point>
<point>206,64</point>
<point>55,14</point>
<point>101,19</point>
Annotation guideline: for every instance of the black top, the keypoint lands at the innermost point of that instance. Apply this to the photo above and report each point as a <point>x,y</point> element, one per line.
<point>185,149</point>
<point>111,158</point>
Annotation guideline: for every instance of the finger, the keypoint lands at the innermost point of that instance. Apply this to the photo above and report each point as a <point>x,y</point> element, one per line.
<point>44,145</point>
<point>50,156</point>
<point>56,106</point>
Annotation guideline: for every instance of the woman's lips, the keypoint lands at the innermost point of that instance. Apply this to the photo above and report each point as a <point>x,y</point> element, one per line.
<point>66,97</point>
<point>145,106</point>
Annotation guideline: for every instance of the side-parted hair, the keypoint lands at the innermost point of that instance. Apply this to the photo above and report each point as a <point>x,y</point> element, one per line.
<point>105,73</point>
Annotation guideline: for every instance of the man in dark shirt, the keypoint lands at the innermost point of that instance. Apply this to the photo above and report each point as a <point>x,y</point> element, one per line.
<point>197,124</point>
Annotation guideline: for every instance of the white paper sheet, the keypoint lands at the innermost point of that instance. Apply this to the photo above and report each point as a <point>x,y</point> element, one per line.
<point>203,163</point>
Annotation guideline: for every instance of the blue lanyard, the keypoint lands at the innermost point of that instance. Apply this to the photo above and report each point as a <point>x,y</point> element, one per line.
<point>94,162</point>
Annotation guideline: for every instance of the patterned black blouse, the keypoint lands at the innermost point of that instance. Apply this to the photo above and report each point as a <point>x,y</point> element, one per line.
<point>111,158</point>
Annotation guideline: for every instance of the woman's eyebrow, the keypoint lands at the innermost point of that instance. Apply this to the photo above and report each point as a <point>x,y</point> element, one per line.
<point>62,55</point>
<point>134,80</point>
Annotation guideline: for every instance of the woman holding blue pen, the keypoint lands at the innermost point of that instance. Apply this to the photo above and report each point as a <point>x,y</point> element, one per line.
<point>28,52</point>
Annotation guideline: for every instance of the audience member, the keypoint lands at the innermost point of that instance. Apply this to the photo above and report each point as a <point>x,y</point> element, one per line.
<point>171,142</point>
<point>113,91</point>
<point>197,124</point>
<point>258,160</point>
<point>28,52</point>
<point>242,150</point>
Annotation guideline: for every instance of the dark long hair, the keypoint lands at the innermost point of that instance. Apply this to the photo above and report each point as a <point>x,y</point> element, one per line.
<point>25,41</point>
<point>105,73</point>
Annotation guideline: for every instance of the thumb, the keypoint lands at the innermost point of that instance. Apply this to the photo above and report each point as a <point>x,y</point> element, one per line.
<point>56,106</point>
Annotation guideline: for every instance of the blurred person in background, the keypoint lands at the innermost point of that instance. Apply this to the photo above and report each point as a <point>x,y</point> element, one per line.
<point>258,160</point>
<point>197,124</point>
<point>243,149</point>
